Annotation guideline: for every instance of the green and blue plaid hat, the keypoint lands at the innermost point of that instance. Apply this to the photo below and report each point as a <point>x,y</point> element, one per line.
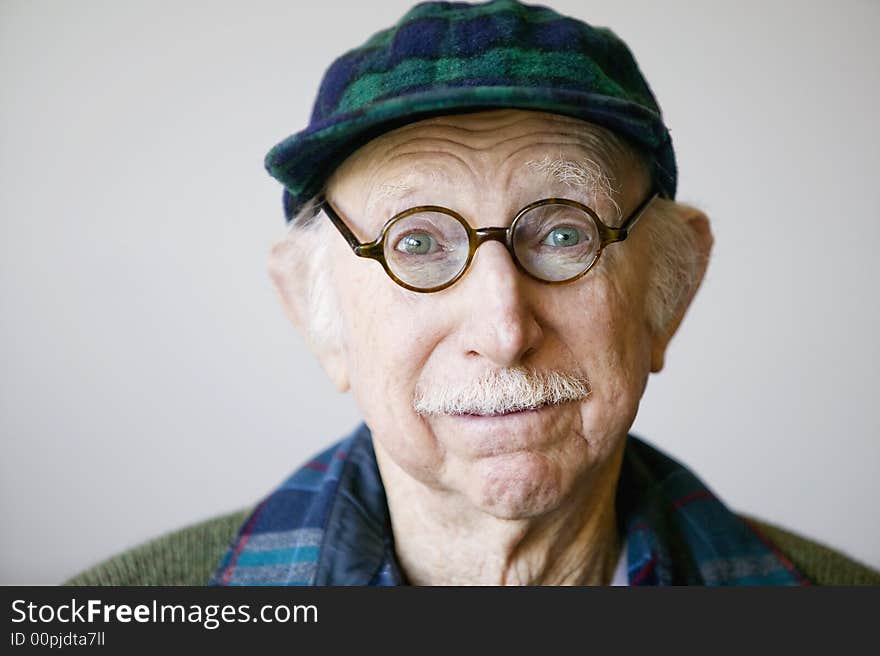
<point>452,57</point>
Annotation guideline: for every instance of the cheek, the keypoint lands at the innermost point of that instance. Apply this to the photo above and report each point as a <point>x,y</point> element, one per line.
<point>613,346</point>
<point>388,337</point>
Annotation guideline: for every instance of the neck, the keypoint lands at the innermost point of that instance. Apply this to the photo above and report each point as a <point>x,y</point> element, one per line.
<point>441,539</point>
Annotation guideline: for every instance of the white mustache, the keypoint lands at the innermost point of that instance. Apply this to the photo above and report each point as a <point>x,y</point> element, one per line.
<point>500,391</point>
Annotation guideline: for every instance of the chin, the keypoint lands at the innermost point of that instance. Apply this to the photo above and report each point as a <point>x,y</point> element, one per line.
<point>518,485</point>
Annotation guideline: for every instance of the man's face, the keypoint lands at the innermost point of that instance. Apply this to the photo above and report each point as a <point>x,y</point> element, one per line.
<point>399,343</point>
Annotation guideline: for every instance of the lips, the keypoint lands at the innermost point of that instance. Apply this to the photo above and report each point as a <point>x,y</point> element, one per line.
<point>489,435</point>
<point>502,414</point>
<point>499,415</point>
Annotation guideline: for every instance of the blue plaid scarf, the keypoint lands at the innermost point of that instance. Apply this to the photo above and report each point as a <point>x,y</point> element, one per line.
<point>328,524</point>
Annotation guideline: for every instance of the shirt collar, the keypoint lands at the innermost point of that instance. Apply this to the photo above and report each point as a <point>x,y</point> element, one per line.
<point>358,541</point>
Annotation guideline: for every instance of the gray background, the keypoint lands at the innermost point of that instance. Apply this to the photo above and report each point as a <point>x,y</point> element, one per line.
<point>149,378</point>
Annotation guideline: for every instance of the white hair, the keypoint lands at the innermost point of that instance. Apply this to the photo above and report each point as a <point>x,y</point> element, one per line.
<point>675,262</point>
<point>323,318</point>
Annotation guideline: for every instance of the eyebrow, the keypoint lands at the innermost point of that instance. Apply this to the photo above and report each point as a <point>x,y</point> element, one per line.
<point>389,191</point>
<point>579,175</point>
<point>401,186</point>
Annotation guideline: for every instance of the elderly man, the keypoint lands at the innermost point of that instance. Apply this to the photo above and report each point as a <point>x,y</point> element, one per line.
<point>509,172</point>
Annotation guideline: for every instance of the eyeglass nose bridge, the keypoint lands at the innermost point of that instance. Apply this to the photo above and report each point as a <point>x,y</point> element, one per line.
<point>492,234</point>
<point>499,234</point>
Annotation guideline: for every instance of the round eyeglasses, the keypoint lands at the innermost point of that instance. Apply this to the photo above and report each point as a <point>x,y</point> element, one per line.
<point>428,248</point>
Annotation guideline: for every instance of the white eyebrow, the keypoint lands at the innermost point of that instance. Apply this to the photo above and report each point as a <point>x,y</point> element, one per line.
<point>585,174</point>
<point>388,191</point>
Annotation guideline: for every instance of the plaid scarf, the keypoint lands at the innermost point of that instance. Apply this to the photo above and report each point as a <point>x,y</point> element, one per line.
<point>328,524</point>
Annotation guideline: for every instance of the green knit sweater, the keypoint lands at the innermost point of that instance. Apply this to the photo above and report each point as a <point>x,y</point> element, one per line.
<point>189,556</point>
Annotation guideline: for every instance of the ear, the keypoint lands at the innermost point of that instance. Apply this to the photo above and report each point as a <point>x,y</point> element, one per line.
<point>698,224</point>
<point>293,279</point>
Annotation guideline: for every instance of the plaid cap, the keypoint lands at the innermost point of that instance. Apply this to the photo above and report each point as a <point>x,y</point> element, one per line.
<point>452,57</point>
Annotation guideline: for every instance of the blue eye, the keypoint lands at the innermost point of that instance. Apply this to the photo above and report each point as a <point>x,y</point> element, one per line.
<point>562,236</point>
<point>417,243</point>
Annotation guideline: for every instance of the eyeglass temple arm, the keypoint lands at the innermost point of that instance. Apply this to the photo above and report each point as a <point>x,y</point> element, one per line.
<point>623,231</point>
<point>356,245</point>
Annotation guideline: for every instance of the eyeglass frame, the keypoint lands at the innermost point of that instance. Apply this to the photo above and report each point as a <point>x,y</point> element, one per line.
<point>375,250</point>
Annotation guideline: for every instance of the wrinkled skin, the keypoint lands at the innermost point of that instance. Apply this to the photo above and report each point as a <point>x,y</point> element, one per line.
<point>519,498</point>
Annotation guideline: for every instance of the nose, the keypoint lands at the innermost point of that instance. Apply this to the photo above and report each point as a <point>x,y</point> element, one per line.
<point>501,325</point>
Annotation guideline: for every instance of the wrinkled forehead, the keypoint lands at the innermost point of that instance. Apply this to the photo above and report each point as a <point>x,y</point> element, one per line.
<point>506,157</point>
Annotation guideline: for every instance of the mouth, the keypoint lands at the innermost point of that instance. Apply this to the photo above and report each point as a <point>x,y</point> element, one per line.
<point>526,430</point>
<point>524,412</point>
